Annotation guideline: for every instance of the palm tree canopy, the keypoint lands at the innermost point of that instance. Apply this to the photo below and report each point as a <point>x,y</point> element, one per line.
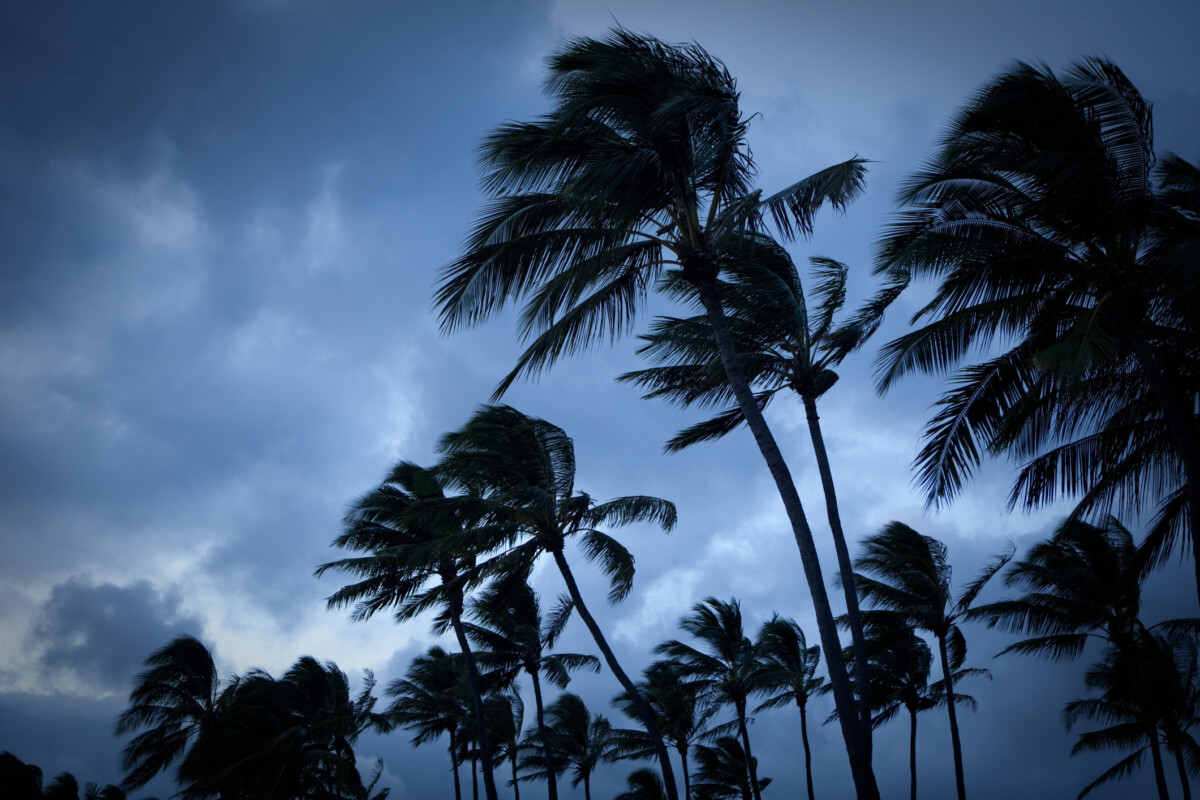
<point>729,665</point>
<point>789,664</point>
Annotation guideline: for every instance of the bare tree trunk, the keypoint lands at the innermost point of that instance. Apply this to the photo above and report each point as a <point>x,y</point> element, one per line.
<point>845,565</point>
<point>751,767</point>
<point>643,708</point>
<point>959,780</point>
<point>1183,775</point>
<point>551,780</point>
<point>454,766</point>
<point>912,754</point>
<point>485,749</point>
<point>807,753</point>
<point>687,780</point>
<point>855,736</point>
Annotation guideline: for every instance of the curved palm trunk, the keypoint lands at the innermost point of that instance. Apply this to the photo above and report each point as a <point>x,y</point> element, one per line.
<point>751,767</point>
<point>587,787</point>
<point>1183,431</point>
<point>454,765</point>
<point>845,565</point>
<point>1183,775</point>
<point>485,749</point>
<point>912,754</point>
<point>643,708</point>
<point>682,747</point>
<point>551,780</point>
<point>854,734</point>
<point>959,781</point>
<point>807,752</point>
<point>516,786</point>
<point>1160,774</point>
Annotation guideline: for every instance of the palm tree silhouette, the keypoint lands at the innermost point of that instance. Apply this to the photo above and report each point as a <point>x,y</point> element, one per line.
<point>1040,217</point>
<point>912,579</point>
<point>729,666</point>
<point>725,771</point>
<point>641,170</point>
<point>513,633</point>
<point>524,471</point>
<point>789,675</point>
<point>421,553</point>
<point>580,741</point>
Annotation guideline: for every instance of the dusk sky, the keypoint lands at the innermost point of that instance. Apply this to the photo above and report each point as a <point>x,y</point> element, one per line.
<point>220,226</point>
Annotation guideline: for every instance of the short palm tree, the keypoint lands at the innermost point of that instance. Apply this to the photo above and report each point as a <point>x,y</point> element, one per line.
<point>1083,584</point>
<point>789,676</point>
<point>724,772</point>
<point>640,170</point>
<point>430,702</point>
<point>178,695</point>
<point>1041,219</point>
<point>729,666</point>
<point>512,631</point>
<point>580,741</point>
<point>420,552</point>
<point>644,784</point>
<point>524,471</point>
<point>909,574</point>
<point>506,720</point>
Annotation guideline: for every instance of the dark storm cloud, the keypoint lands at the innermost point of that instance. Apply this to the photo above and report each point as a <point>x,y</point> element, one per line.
<point>100,634</point>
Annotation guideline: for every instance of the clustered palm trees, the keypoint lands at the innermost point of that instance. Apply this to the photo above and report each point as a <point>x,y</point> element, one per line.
<point>1069,286</point>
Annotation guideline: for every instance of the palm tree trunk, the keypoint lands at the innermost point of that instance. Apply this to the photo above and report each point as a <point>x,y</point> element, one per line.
<point>955,744</point>
<point>454,766</point>
<point>912,754</point>
<point>1183,775</point>
<point>751,767</point>
<point>854,734</point>
<point>807,753</point>
<point>513,760</point>
<point>643,708</point>
<point>1183,431</point>
<point>474,778</point>
<point>1160,773</point>
<point>587,787</point>
<point>683,760</point>
<point>485,749</point>
<point>845,565</point>
<point>551,780</point>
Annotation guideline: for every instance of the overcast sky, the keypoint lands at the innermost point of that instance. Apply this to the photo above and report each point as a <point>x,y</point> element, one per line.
<point>219,228</point>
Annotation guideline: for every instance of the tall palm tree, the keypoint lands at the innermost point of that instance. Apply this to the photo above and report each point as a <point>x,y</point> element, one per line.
<point>911,577</point>
<point>429,701</point>
<point>1084,583</point>
<point>729,666</point>
<point>524,471</point>
<point>640,170</point>
<point>177,696</point>
<point>782,344</point>
<point>420,552</point>
<point>513,633</point>
<point>1041,220</point>
<point>682,708</point>
<point>580,741</point>
<point>789,676</point>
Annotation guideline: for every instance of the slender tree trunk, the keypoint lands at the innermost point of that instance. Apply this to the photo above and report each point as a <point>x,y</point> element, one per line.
<point>855,736</point>
<point>845,565</point>
<point>513,760</point>
<point>807,752</point>
<point>551,780</point>
<point>683,760</point>
<point>454,765</point>
<point>643,708</point>
<point>1183,775</point>
<point>474,778</point>
<point>959,780</point>
<point>485,749</point>
<point>751,767</point>
<point>912,754</point>
<point>587,787</point>
<point>1160,773</point>
<point>1181,423</point>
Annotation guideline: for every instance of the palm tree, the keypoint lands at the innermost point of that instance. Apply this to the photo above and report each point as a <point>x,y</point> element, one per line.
<point>524,471</point>
<point>682,709</point>
<point>515,637</point>
<point>22,781</point>
<point>1169,666</point>
<point>413,536</point>
<point>781,345</point>
<point>429,701</point>
<point>1084,583</point>
<point>730,666</point>
<point>580,741</point>
<point>725,771</point>
<point>506,718</point>
<point>644,784</point>
<point>641,170</point>
<point>789,675</point>
<point>177,696</point>
<point>912,579</point>
<point>1040,218</point>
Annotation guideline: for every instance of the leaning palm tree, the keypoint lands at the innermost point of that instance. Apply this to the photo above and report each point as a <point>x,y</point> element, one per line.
<point>909,574</point>
<point>512,631</point>
<point>781,344</point>
<point>420,552</point>
<point>641,170</point>
<point>729,665</point>
<point>1083,584</point>
<point>173,700</point>
<point>1040,218</point>
<point>523,469</point>
<point>789,676</point>
<point>430,702</point>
